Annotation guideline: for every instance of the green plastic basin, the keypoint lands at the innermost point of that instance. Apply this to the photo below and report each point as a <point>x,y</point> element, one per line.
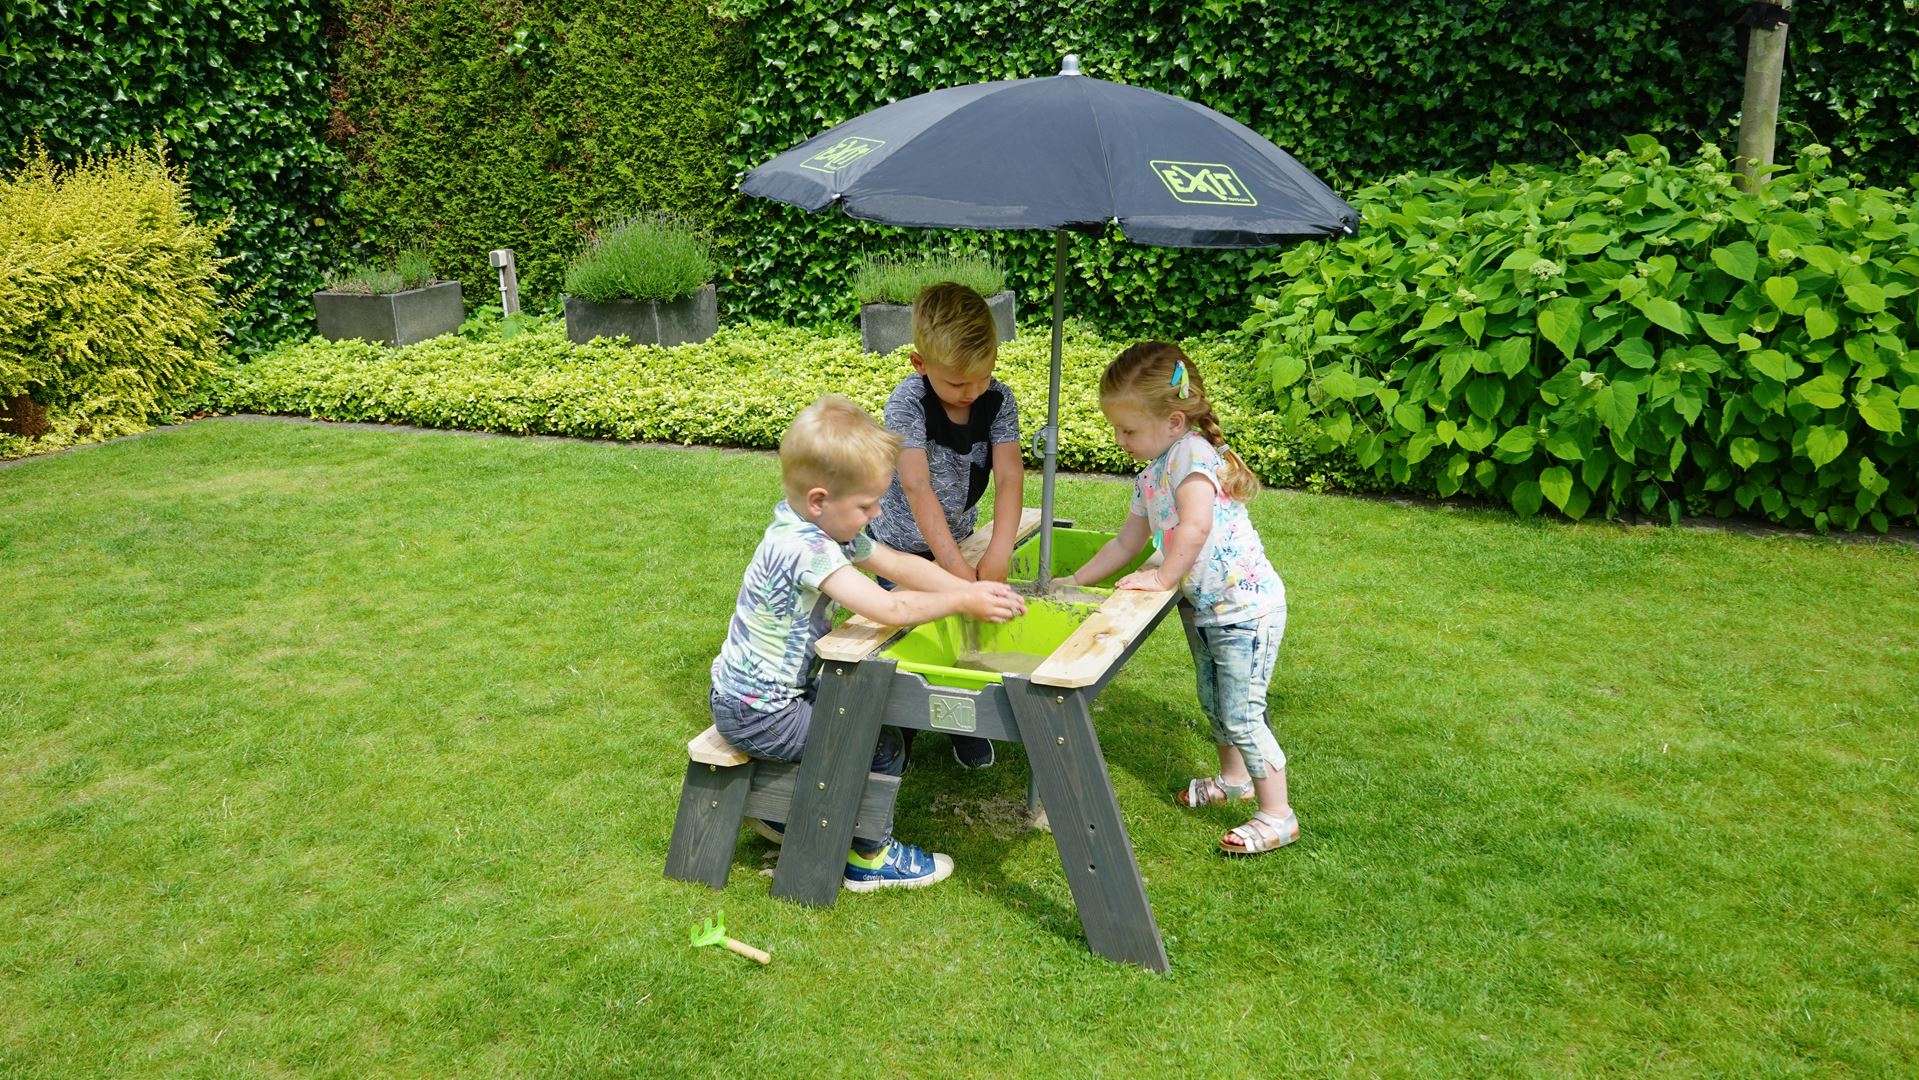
<point>932,649</point>
<point>1072,549</point>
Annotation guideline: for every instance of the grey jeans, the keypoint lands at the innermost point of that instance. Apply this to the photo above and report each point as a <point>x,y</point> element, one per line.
<point>781,736</point>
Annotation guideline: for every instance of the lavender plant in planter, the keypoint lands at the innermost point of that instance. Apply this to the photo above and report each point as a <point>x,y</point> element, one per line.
<point>648,278</point>
<point>886,289</point>
<point>394,306</point>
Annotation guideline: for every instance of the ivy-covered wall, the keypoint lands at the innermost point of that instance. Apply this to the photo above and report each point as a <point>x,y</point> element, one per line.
<point>469,125</point>
<point>463,125</point>
<point>237,89</point>
<point>1356,89</point>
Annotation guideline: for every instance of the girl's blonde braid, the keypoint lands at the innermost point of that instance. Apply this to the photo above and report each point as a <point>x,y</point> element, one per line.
<point>1236,479</point>
<point>1163,380</point>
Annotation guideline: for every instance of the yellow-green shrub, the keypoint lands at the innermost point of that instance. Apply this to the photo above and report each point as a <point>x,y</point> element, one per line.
<point>737,388</point>
<point>107,304</point>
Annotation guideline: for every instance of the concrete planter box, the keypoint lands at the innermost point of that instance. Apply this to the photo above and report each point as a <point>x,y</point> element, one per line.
<point>645,322</point>
<point>885,327</point>
<point>400,318</point>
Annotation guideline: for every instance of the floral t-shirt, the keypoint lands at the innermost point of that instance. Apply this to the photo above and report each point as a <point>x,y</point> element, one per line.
<point>1231,581</point>
<point>781,612</point>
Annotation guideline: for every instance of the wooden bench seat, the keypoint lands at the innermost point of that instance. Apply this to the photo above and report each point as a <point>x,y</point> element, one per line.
<point>724,787</point>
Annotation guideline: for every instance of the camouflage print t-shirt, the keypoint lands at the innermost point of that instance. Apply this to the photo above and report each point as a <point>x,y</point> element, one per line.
<point>781,612</point>
<point>959,457</point>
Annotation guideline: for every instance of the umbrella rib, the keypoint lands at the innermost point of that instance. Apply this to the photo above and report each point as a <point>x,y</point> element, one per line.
<point>1099,133</point>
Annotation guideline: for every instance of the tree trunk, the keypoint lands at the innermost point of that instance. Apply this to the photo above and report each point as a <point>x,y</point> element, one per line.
<point>21,415</point>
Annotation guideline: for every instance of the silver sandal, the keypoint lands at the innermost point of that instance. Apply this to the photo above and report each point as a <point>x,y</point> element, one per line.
<point>1212,791</point>
<point>1262,834</point>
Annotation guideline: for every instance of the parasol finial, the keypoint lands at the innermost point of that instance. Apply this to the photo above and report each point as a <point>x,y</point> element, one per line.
<point>1069,65</point>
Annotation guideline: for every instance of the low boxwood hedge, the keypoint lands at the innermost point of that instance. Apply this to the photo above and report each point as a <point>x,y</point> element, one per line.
<point>739,388</point>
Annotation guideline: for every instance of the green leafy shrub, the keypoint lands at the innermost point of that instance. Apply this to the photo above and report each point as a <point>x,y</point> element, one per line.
<point>738,388</point>
<point>899,281</point>
<point>647,257</point>
<point>1634,335</point>
<point>410,270</point>
<point>108,309</point>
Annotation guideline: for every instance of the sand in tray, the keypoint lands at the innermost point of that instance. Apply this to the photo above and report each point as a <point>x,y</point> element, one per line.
<point>1069,595</point>
<point>973,657</point>
<point>1005,663</point>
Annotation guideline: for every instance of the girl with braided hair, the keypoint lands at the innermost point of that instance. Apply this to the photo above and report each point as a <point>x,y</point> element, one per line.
<point>1190,502</point>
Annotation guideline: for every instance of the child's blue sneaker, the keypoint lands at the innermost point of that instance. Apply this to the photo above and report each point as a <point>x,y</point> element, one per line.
<point>898,865</point>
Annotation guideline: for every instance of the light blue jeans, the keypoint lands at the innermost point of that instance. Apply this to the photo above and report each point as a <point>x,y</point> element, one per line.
<point>1234,667</point>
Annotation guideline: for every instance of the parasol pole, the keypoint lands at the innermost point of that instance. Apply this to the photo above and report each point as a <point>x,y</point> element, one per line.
<point>1049,435</point>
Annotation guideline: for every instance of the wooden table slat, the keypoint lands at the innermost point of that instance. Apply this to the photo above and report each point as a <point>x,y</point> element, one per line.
<point>1083,658</point>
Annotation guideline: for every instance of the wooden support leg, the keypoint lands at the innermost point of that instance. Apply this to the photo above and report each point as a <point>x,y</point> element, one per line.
<point>707,828</point>
<point>839,748</point>
<point>1093,846</point>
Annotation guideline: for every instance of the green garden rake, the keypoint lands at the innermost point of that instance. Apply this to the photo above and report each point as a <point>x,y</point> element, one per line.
<point>713,932</point>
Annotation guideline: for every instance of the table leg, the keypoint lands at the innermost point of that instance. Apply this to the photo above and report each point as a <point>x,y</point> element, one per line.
<point>706,831</point>
<point>1057,729</point>
<point>839,749</point>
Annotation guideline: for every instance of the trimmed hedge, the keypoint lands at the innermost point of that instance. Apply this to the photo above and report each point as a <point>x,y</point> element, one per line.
<point>237,88</point>
<point>1632,336</point>
<point>1355,89</point>
<point>108,309</point>
<point>469,126</point>
<point>739,388</point>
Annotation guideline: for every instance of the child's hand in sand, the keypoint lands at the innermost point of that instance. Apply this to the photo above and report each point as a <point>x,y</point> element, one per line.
<point>992,601</point>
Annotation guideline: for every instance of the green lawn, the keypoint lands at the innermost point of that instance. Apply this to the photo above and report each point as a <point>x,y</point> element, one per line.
<point>355,753</point>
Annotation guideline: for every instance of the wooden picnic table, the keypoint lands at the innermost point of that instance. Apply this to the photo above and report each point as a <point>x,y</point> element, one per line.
<point>1049,712</point>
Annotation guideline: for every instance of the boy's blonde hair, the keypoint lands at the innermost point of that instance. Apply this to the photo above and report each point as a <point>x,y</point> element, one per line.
<point>953,329</point>
<point>1149,377</point>
<point>834,444</point>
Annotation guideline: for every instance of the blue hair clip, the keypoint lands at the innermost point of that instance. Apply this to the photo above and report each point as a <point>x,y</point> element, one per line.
<point>1178,382</point>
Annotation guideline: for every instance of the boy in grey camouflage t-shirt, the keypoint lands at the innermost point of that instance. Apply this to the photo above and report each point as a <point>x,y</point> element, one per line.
<point>958,427</point>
